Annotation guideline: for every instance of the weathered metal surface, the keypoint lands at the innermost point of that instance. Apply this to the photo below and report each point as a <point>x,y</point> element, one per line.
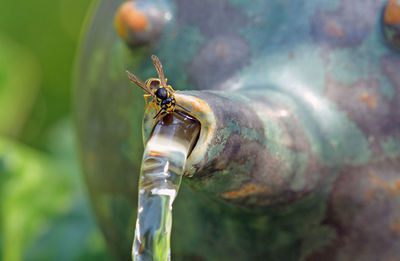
<point>300,158</point>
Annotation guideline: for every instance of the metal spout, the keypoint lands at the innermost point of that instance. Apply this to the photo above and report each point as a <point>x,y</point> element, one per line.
<point>251,151</point>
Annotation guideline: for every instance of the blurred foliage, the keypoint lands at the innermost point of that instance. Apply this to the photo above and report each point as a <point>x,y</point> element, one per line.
<point>45,34</point>
<point>44,211</point>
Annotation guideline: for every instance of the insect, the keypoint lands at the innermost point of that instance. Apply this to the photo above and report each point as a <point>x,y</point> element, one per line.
<point>157,88</point>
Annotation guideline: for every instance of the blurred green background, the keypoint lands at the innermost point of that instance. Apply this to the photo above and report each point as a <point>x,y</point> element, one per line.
<point>44,210</point>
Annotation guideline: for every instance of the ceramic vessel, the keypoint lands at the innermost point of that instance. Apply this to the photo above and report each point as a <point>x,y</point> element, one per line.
<point>299,152</point>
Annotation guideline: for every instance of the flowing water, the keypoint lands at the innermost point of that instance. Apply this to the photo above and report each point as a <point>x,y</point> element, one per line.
<point>162,166</point>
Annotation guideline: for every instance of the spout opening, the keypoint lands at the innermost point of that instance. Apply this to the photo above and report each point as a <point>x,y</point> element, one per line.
<point>189,131</point>
<point>199,111</point>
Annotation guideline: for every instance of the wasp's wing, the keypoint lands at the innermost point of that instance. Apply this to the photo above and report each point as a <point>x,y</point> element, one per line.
<point>159,69</point>
<point>136,81</point>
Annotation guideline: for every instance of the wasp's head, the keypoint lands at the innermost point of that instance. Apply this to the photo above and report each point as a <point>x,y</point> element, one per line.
<point>161,93</point>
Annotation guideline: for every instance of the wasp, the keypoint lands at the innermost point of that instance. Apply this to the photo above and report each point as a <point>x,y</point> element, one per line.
<point>157,88</point>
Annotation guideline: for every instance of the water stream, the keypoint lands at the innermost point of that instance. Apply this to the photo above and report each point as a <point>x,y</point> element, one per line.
<point>163,163</point>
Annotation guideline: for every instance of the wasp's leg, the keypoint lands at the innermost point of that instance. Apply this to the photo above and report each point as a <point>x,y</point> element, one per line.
<point>161,111</point>
<point>172,89</point>
<point>153,105</point>
<point>146,96</point>
<point>163,114</point>
<point>180,106</point>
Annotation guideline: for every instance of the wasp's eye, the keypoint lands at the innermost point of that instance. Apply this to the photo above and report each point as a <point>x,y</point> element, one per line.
<point>161,93</point>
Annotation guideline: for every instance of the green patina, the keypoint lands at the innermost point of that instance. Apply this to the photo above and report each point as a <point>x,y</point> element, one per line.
<point>217,148</point>
<point>298,182</point>
<point>175,61</point>
<point>333,137</point>
<point>279,150</point>
<point>342,69</point>
<point>248,133</point>
<point>235,174</point>
<point>286,70</point>
<point>391,146</point>
<point>386,87</point>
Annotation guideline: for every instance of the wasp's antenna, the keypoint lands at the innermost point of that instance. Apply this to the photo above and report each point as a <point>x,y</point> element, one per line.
<point>138,82</point>
<point>182,107</point>
<point>159,69</point>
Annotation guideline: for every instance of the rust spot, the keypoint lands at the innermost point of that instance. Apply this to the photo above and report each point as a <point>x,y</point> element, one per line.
<point>332,28</point>
<point>120,26</point>
<point>393,259</point>
<point>395,227</point>
<point>128,16</point>
<point>155,154</point>
<point>369,99</point>
<point>141,248</point>
<point>391,188</point>
<point>370,194</point>
<point>375,180</point>
<point>392,12</point>
<point>247,190</point>
<point>200,106</point>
